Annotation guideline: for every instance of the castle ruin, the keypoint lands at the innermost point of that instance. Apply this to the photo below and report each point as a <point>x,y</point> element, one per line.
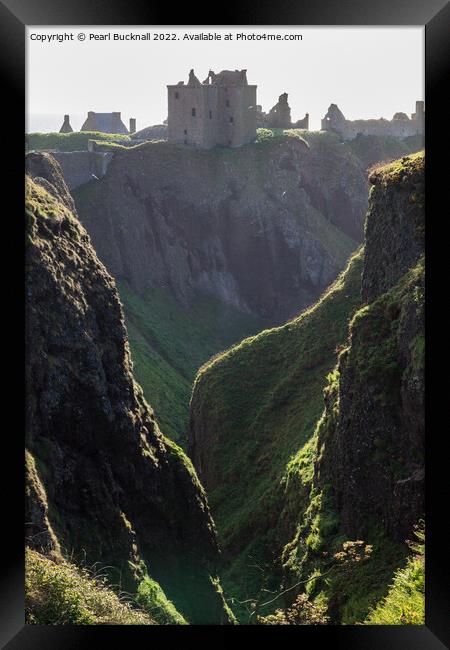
<point>401,126</point>
<point>219,111</point>
<point>279,116</point>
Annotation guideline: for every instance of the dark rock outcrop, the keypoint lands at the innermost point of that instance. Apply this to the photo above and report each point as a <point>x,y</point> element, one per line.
<point>372,452</point>
<point>101,476</point>
<point>394,227</point>
<point>265,228</point>
<point>356,473</point>
<point>47,173</point>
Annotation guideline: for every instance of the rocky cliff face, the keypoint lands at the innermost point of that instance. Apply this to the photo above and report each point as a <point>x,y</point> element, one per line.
<point>306,483</point>
<point>264,228</point>
<point>103,482</point>
<point>372,452</point>
<point>367,481</point>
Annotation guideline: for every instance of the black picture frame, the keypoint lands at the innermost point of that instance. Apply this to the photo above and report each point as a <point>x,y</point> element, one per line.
<point>14,16</point>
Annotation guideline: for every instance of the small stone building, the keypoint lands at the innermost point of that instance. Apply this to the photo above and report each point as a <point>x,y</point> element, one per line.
<point>401,126</point>
<point>66,128</point>
<point>105,123</point>
<point>219,111</point>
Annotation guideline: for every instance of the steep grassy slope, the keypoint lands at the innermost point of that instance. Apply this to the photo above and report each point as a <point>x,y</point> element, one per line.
<point>169,343</point>
<point>368,478</point>
<point>405,601</point>
<point>251,410</point>
<point>59,593</point>
<point>319,507</point>
<point>103,484</point>
<point>369,467</point>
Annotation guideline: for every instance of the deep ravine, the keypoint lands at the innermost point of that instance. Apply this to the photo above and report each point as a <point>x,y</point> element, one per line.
<point>251,279</point>
<point>103,483</point>
<point>288,482</point>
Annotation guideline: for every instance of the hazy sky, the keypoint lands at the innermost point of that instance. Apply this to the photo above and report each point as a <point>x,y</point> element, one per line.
<point>368,72</point>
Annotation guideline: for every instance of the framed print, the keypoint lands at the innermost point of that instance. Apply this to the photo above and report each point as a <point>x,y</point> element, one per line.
<point>226,377</point>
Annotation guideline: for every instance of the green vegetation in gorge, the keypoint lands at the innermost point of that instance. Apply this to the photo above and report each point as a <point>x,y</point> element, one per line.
<point>170,342</point>
<point>102,484</point>
<point>277,472</point>
<point>405,601</point>
<point>307,437</point>
<point>153,600</point>
<point>264,396</point>
<point>380,376</point>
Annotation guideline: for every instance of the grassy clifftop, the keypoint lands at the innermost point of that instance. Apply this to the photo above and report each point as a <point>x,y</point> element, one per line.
<point>76,141</point>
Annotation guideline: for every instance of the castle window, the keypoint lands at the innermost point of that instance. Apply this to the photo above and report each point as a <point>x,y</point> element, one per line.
<point>210,115</point>
<point>227,102</point>
<point>185,141</point>
<point>185,132</point>
<point>193,112</point>
<point>177,95</point>
<point>231,119</point>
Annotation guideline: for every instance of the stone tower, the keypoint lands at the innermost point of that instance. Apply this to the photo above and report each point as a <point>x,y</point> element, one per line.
<point>66,128</point>
<point>219,111</point>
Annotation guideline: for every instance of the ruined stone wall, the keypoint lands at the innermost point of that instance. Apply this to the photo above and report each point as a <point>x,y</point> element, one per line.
<point>398,128</point>
<point>302,124</point>
<point>79,166</point>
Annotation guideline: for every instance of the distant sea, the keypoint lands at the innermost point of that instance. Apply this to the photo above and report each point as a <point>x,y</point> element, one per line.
<point>49,123</point>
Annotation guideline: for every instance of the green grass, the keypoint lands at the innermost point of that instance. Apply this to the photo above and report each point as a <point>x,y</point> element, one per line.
<point>63,594</point>
<point>368,149</point>
<point>170,342</point>
<point>405,167</point>
<point>405,601</point>
<point>260,401</point>
<point>105,145</point>
<point>76,141</point>
<point>153,600</point>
